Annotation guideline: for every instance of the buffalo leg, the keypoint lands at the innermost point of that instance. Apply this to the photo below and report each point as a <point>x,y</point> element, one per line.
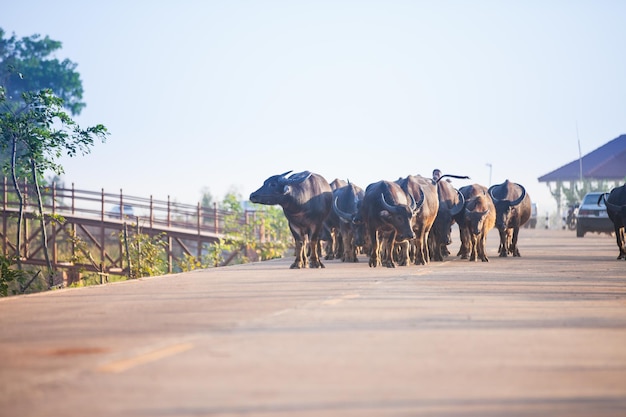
<point>466,241</point>
<point>349,249</point>
<point>316,249</point>
<point>482,244</point>
<point>514,243</point>
<point>300,260</point>
<point>503,249</point>
<point>404,255</point>
<point>375,250</point>
<point>621,244</point>
<point>301,248</point>
<point>473,243</point>
<point>390,244</point>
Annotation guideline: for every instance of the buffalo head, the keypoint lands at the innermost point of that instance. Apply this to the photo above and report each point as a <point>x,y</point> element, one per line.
<point>505,208</point>
<point>276,187</point>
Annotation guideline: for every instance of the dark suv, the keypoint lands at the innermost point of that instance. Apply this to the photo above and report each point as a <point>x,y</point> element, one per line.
<point>592,217</point>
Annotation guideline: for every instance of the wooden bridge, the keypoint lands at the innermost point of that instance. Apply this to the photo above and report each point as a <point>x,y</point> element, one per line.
<point>84,228</point>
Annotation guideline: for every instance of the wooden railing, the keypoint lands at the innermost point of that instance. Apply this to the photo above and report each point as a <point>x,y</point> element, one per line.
<point>102,206</point>
<point>95,215</point>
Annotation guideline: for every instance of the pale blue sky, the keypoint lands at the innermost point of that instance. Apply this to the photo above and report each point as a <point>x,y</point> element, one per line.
<point>224,94</point>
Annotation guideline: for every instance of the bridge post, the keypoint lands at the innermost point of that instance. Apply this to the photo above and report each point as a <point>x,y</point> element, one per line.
<point>216,223</point>
<point>170,267</point>
<point>102,228</point>
<point>5,239</point>
<point>26,228</point>
<point>151,212</point>
<point>199,223</point>
<point>53,225</point>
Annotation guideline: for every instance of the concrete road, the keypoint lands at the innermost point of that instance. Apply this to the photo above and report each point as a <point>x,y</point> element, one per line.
<point>541,335</point>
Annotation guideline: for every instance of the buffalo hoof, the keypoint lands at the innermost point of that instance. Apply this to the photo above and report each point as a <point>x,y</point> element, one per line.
<point>296,265</point>
<point>374,262</point>
<point>316,264</point>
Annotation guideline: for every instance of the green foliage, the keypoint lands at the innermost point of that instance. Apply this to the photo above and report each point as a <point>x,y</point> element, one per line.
<point>35,134</point>
<point>42,132</point>
<point>215,255</point>
<point>263,234</point>
<point>207,199</point>
<point>147,254</point>
<point>9,275</point>
<point>28,64</point>
<point>189,263</point>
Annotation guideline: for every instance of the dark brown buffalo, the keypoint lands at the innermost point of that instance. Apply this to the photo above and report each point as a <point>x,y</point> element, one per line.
<point>616,209</point>
<point>451,203</point>
<point>475,222</point>
<point>387,210</point>
<point>306,199</point>
<point>425,189</point>
<point>513,209</point>
<point>346,203</point>
<point>331,233</point>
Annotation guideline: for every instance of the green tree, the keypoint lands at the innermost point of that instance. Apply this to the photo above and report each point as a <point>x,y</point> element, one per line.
<point>146,254</point>
<point>36,135</point>
<point>35,90</point>
<point>28,64</point>
<point>207,199</point>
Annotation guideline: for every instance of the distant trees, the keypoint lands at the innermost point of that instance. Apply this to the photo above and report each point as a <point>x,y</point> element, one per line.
<point>28,64</point>
<point>242,229</point>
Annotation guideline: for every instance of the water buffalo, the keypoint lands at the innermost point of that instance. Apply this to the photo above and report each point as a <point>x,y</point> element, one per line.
<point>306,199</point>
<point>387,210</point>
<point>451,203</point>
<point>422,189</point>
<point>346,203</point>
<point>331,232</point>
<point>616,209</point>
<point>513,209</point>
<point>477,219</point>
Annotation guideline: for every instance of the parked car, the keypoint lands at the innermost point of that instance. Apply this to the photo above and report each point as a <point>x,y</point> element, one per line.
<point>592,217</point>
<point>128,212</point>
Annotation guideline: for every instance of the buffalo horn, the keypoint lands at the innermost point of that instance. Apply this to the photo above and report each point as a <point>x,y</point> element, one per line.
<point>491,193</point>
<point>456,209</point>
<point>387,206</point>
<point>416,205</point>
<point>520,198</point>
<point>344,216</point>
<point>296,178</point>
<point>613,207</point>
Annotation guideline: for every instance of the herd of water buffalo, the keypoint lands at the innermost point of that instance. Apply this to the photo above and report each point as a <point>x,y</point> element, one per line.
<point>405,221</point>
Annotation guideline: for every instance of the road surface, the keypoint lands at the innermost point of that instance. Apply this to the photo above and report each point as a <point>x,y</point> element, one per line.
<point>541,335</point>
